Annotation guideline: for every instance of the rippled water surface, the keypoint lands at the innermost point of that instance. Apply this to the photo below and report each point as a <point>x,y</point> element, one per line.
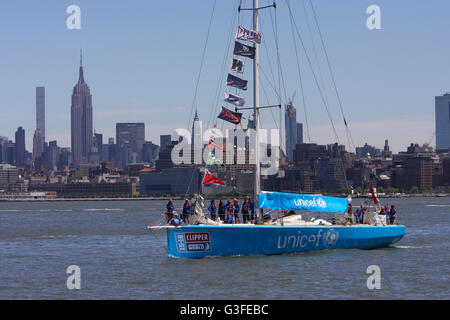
<point>120,259</point>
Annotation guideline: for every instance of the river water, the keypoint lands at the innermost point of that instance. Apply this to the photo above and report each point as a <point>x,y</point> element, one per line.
<point>119,259</point>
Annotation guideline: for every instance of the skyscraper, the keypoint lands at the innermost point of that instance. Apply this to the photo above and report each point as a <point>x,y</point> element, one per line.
<point>130,138</point>
<point>38,145</point>
<point>39,134</point>
<point>197,141</point>
<point>81,119</point>
<point>40,110</point>
<point>20,147</point>
<point>443,123</point>
<point>290,120</point>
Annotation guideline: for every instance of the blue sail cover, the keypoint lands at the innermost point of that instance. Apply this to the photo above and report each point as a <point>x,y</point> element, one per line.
<point>293,201</point>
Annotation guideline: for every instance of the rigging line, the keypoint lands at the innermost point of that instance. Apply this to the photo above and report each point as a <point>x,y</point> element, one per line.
<point>320,91</point>
<point>267,52</point>
<point>312,71</point>
<point>216,97</point>
<point>198,80</point>
<point>314,49</point>
<point>201,64</point>
<point>280,69</point>
<point>267,101</point>
<point>332,76</point>
<point>301,83</point>
<point>277,93</point>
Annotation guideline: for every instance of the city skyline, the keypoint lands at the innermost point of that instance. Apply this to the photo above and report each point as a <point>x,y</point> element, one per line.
<point>378,103</point>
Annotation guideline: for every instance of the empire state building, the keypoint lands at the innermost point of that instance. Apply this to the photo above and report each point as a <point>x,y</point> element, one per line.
<point>81,120</point>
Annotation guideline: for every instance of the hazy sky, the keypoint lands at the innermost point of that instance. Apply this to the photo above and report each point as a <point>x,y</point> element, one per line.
<point>142,58</point>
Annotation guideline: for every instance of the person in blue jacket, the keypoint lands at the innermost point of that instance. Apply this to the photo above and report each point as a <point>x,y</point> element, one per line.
<point>236,209</point>
<point>186,211</point>
<point>229,209</point>
<point>212,210</point>
<point>170,208</point>
<point>392,215</point>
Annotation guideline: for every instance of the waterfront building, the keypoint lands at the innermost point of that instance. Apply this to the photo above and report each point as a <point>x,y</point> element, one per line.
<point>10,179</point>
<point>81,120</point>
<point>418,172</point>
<point>442,113</point>
<point>175,180</point>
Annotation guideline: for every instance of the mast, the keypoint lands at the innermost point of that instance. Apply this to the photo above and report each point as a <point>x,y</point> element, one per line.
<point>256,108</point>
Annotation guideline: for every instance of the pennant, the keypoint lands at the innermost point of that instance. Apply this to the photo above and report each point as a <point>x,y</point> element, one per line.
<point>211,179</point>
<point>243,50</point>
<point>237,65</point>
<point>230,116</point>
<point>234,99</point>
<point>212,144</point>
<point>248,35</point>
<point>236,82</point>
<point>372,191</point>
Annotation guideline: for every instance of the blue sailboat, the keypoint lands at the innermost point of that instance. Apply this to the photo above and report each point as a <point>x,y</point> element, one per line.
<point>285,232</point>
<point>288,234</point>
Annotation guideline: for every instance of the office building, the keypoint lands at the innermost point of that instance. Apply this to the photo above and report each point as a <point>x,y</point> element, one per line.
<point>130,138</point>
<point>442,113</point>
<point>81,120</point>
<point>20,147</point>
<point>290,130</point>
<point>40,111</point>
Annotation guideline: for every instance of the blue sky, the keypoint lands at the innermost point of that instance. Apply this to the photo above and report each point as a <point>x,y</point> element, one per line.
<point>142,59</point>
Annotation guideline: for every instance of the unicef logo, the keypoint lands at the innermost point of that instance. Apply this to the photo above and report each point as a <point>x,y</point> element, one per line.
<point>321,203</point>
<point>330,238</point>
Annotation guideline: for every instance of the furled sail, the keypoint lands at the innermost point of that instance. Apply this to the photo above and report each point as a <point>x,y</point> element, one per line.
<point>293,201</point>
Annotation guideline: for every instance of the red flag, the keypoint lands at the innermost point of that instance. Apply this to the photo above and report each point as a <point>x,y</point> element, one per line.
<point>212,144</point>
<point>372,191</point>
<point>211,179</point>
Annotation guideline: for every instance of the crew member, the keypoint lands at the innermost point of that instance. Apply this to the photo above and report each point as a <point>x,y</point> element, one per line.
<point>245,210</point>
<point>392,215</point>
<point>170,207</point>
<point>212,210</point>
<point>236,208</point>
<point>186,211</point>
<point>357,214</point>
<point>229,209</point>
<point>252,210</point>
<point>222,210</point>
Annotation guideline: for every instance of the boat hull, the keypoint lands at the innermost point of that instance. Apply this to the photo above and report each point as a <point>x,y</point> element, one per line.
<point>204,241</point>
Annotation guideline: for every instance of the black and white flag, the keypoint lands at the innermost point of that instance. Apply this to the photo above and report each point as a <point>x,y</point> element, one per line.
<point>243,50</point>
<point>236,82</point>
<point>237,65</point>
<point>234,99</point>
<point>248,35</point>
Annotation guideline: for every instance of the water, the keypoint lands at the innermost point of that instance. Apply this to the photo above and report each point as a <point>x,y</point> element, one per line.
<point>120,259</point>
